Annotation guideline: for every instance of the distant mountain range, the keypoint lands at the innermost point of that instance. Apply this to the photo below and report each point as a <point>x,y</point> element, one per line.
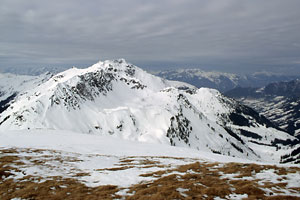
<point>279,102</point>
<point>222,81</point>
<point>119,99</point>
<point>32,71</point>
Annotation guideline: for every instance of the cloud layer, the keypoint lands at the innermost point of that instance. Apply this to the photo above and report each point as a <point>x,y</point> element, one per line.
<point>228,35</point>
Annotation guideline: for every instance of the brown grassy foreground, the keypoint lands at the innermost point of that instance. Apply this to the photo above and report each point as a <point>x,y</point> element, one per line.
<point>198,180</point>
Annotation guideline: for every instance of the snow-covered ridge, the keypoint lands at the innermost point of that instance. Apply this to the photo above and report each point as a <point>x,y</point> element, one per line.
<point>118,99</point>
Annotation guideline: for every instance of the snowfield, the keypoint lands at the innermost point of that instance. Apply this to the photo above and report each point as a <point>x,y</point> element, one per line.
<point>104,145</point>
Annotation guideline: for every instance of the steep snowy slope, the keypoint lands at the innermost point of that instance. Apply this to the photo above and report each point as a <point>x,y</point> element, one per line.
<point>119,99</point>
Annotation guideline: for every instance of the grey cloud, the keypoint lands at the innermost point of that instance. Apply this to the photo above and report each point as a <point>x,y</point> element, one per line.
<point>225,35</point>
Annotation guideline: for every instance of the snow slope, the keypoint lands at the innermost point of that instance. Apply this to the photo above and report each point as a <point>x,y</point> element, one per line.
<point>115,98</point>
<point>75,142</point>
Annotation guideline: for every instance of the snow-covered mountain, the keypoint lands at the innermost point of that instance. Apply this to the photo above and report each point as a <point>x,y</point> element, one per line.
<point>220,80</point>
<point>279,102</point>
<point>119,99</point>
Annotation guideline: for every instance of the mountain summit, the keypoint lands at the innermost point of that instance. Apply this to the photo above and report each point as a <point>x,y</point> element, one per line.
<point>119,99</point>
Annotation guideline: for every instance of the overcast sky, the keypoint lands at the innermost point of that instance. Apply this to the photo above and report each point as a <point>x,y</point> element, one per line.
<point>229,35</point>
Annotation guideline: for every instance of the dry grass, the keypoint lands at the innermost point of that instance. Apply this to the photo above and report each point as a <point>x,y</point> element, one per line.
<point>31,187</point>
<point>137,161</point>
<point>115,168</point>
<point>56,188</point>
<point>199,184</point>
<point>282,197</point>
<point>250,169</point>
<point>198,180</point>
<point>204,181</point>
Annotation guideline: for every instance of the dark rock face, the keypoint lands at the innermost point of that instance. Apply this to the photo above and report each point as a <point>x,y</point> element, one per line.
<point>180,129</point>
<point>294,156</point>
<point>250,134</point>
<point>5,103</point>
<point>90,85</point>
<point>94,83</point>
